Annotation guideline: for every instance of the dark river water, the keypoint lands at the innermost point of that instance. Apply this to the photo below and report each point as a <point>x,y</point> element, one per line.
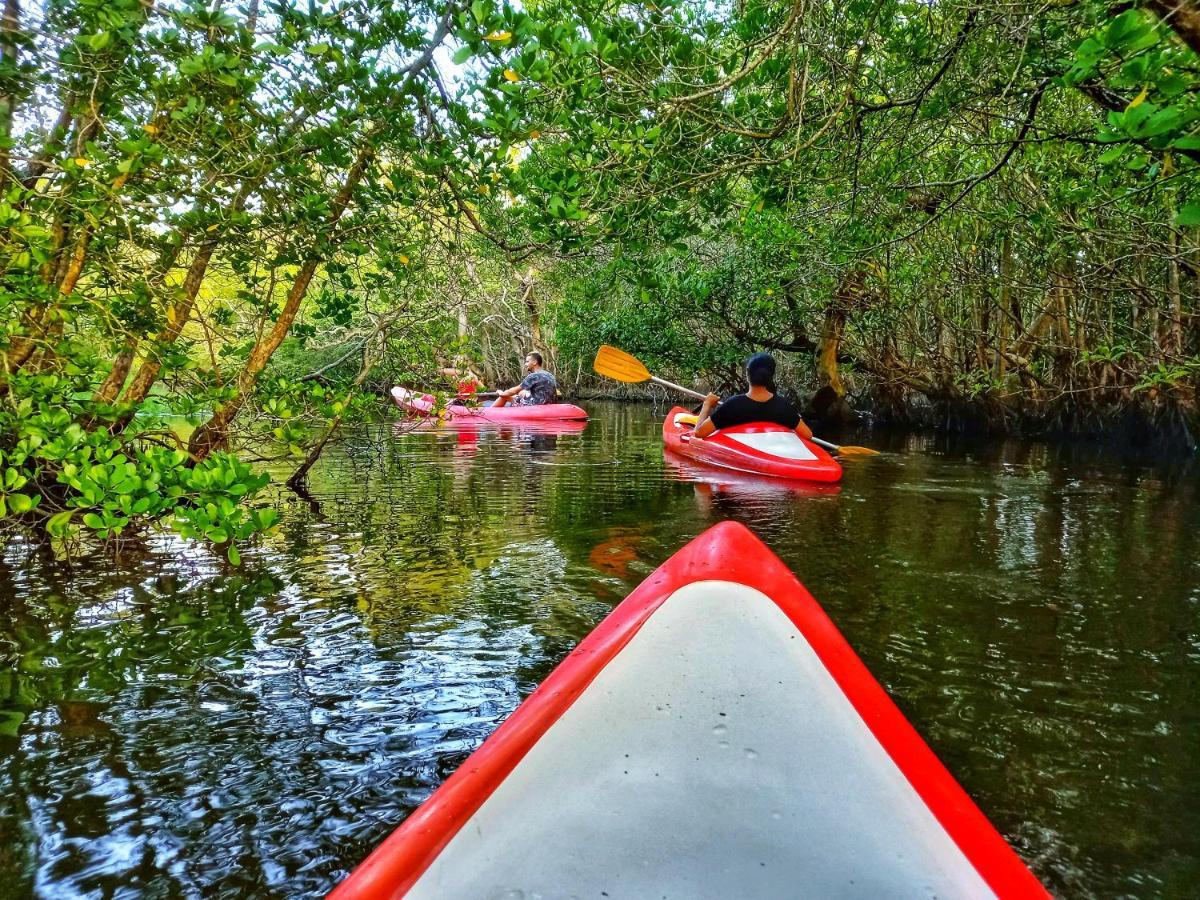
<point>171,727</point>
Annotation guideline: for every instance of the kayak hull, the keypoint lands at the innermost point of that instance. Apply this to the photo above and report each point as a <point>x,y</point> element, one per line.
<point>713,736</point>
<point>734,483</point>
<point>419,404</point>
<point>761,449</point>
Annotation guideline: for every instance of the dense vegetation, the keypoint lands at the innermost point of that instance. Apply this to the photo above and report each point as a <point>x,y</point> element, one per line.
<point>988,209</point>
<point>237,216</point>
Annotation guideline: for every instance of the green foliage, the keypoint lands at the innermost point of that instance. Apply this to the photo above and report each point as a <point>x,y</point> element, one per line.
<point>203,180</point>
<point>248,221</point>
<point>901,165</point>
<point>1168,375</point>
<point>93,483</point>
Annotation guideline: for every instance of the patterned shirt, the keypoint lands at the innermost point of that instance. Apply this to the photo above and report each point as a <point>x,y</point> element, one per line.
<point>541,386</point>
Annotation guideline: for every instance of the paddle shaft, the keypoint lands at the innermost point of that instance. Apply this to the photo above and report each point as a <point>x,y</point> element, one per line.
<point>699,396</point>
<point>678,387</point>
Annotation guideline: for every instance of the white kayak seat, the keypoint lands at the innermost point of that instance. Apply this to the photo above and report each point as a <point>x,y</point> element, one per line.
<point>785,444</point>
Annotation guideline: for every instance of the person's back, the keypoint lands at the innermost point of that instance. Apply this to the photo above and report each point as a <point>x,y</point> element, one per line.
<point>759,404</point>
<point>742,409</point>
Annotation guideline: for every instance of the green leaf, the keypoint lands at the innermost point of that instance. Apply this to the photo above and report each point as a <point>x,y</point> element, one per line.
<point>20,503</point>
<point>1189,214</point>
<point>10,722</point>
<point>1173,85</point>
<point>1137,113</point>
<point>57,524</point>
<point>1187,142</point>
<point>1162,121</point>
<point>235,558</point>
<point>317,49</point>
<point>462,54</point>
<point>99,40</point>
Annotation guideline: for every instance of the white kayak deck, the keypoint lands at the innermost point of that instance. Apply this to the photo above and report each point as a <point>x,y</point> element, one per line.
<point>784,444</point>
<point>713,757</point>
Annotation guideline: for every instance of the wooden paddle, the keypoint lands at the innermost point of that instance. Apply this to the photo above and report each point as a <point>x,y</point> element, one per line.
<point>621,366</point>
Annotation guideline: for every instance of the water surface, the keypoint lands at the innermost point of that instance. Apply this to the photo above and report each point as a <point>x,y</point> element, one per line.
<point>171,727</point>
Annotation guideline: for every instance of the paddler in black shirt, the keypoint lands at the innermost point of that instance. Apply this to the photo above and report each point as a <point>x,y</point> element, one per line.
<point>759,404</point>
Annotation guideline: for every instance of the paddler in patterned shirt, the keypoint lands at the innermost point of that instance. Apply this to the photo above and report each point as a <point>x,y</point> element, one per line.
<point>538,387</point>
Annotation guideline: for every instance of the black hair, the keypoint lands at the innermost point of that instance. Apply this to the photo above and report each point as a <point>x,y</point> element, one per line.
<point>760,369</point>
<point>537,357</point>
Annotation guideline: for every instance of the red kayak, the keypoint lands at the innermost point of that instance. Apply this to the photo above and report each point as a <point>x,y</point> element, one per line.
<point>762,448</point>
<point>424,404</point>
<point>715,736</point>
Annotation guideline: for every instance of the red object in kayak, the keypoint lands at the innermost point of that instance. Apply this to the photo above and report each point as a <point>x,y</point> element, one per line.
<point>762,448</point>
<point>714,736</point>
<point>423,405</point>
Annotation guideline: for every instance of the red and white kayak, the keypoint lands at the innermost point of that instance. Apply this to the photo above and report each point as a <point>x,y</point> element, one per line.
<point>424,404</point>
<point>714,736</point>
<point>762,448</point>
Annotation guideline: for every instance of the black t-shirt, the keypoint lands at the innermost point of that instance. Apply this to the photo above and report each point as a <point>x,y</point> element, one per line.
<point>741,410</point>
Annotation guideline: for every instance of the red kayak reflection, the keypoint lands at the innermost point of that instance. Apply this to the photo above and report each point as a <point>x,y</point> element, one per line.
<point>505,430</point>
<point>744,484</point>
<point>540,436</point>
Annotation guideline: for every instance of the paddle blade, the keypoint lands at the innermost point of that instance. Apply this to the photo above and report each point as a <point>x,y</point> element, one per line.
<point>619,365</point>
<point>857,451</point>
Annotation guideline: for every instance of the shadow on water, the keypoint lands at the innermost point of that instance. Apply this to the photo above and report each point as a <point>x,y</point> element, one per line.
<point>171,727</point>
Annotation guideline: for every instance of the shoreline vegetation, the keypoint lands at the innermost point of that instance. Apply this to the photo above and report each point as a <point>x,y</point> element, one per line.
<point>961,215</point>
<point>1152,429</point>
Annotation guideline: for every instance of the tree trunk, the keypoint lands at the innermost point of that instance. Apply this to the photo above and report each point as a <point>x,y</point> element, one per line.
<point>22,348</point>
<point>213,433</point>
<point>829,403</point>
<point>177,317</point>
<point>315,453</point>
<point>535,319</point>
<point>111,386</point>
<point>1174,343</point>
<point>9,29</point>
<point>1006,266</point>
<point>1184,18</point>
